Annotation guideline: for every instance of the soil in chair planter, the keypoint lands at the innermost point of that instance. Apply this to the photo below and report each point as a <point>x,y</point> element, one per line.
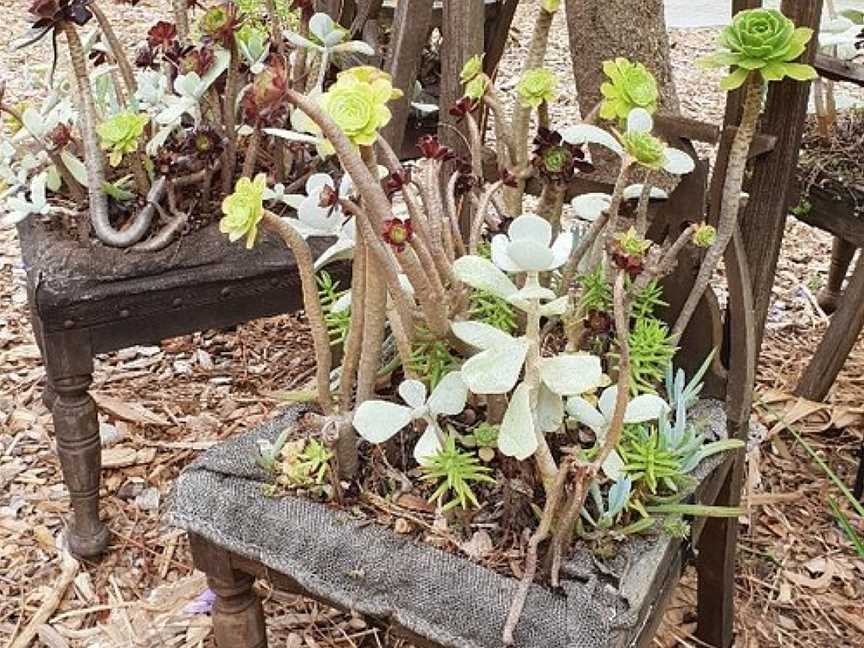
<point>425,581</point>
<point>835,165</point>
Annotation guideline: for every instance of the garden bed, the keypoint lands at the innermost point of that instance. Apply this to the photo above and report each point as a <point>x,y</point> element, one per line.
<point>348,559</point>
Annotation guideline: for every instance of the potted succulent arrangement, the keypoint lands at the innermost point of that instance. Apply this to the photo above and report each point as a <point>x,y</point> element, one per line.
<point>133,149</point>
<point>481,345</point>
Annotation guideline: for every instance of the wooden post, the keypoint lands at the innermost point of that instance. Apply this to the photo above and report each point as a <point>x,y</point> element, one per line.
<point>764,218</point>
<point>462,37</point>
<point>846,326</point>
<point>411,25</point>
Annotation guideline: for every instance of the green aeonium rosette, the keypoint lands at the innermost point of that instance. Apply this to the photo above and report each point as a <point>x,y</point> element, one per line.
<point>630,86</point>
<point>244,209</point>
<point>120,134</point>
<point>536,86</point>
<point>762,40</point>
<point>359,106</point>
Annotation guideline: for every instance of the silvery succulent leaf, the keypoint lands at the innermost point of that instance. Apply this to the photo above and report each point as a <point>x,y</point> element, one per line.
<point>613,467</point>
<point>517,437</point>
<point>647,407</point>
<point>413,392</point>
<point>449,396</point>
<point>76,167</point>
<point>640,121</point>
<point>634,192</point>
<point>619,496</point>
<point>482,274</point>
<point>589,207</point>
<point>555,307</point>
<point>377,421</point>
<point>427,446</point>
<point>550,410</point>
<point>588,134</point>
<point>496,370</point>
<point>571,374</point>
<point>586,414</point>
<point>481,335</point>
<point>678,162</point>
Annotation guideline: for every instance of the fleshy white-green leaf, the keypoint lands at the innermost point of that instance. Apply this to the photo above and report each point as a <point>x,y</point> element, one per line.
<point>480,335</point>
<point>517,437</point>
<point>377,421</point>
<point>571,375</point>
<point>482,274</point>
<point>496,370</point>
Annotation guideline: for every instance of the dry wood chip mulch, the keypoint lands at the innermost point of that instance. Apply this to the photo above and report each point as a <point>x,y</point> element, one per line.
<point>800,584</point>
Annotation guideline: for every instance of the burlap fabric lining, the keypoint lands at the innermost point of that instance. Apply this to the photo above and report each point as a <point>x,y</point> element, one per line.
<point>359,566</point>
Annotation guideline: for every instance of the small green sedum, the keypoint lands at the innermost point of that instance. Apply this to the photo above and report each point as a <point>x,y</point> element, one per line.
<point>762,40</point>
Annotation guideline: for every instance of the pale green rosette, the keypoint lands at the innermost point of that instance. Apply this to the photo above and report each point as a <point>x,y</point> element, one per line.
<point>762,40</point>
<point>120,134</point>
<point>536,86</point>
<point>244,209</point>
<point>630,85</point>
<point>359,107</point>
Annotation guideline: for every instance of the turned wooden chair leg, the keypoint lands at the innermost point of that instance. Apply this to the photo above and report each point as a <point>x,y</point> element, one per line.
<point>238,616</point>
<point>69,365</point>
<point>715,567</point>
<point>841,256</point>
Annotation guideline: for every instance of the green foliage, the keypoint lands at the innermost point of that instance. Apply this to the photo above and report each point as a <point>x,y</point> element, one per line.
<point>646,460</point>
<point>337,321</point>
<point>596,292</point>
<point>485,435</point>
<point>455,469</point>
<point>120,134</point>
<point>762,40</point>
<point>676,527</point>
<point>305,463</point>
<point>651,352</point>
<point>254,12</point>
<point>492,310</point>
<point>431,359</point>
<point>119,189</point>
<point>537,86</point>
<point>803,208</point>
<point>646,303</point>
<point>244,209</point>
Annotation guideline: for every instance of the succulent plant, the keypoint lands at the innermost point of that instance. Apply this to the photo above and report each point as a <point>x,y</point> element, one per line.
<point>121,133</point>
<point>763,41</point>
<point>244,209</point>
<point>536,87</point>
<point>359,107</point>
<point>630,85</point>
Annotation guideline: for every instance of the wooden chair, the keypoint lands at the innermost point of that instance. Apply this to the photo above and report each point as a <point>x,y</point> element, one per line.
<point>750,264</point>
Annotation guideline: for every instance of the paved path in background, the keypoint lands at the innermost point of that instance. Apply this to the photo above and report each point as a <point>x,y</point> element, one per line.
<point>709,13</point>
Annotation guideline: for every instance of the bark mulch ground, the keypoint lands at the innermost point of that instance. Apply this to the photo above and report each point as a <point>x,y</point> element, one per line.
<point>800,582</point>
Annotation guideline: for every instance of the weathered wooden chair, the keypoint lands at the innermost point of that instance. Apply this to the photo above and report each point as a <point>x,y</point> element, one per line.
<point>237,535</point>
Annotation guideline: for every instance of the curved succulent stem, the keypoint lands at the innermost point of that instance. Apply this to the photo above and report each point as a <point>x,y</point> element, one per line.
<point>181,18</point>
<point>374,321</point>
<point>312,305</point>
<point>480,215</point>
<point>730,201</point>
<point>252,149</point>
<point>93,158</point>
<point>354,341</point>
<point>551,204</point>
<point>550,513</point>
<point>117,50</point>
<point>642,207</point>
<point>613,435</point>
<point>229,119</point>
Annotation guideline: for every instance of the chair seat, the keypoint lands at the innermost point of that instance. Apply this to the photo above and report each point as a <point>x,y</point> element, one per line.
<point>434,597</point>
<point>124,298</point>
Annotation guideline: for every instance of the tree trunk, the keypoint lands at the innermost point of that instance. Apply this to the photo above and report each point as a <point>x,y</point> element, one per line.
<point>604,29</point>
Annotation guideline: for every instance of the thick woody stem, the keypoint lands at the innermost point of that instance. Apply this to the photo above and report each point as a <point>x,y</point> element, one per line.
<point>666,263</point>
<point>452,215</point>
<point>423,229</point>
<point>613,434</point>
<point>354,340</point>
<point>229,119</point>
<point>374,200</point>
<point>503,129</point>
<point>480,216</point>
<point>181,18</point>
<point>550,513</point>
<point>642,207</point>
<point>730,201</point>
<point>374,321</point>
<point>617,199</point>
<point>93,158</point>
<point>521,113</point>
<point>546,465</point>
<point>434,306</point>
<point>403,344</point>
<point>476,140</point>
<point>117,50</point>
<point>275,26</point>
<point>312,305</point>
<point>252,148</point>
<point>551,204</point>
<point>584,246</point>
